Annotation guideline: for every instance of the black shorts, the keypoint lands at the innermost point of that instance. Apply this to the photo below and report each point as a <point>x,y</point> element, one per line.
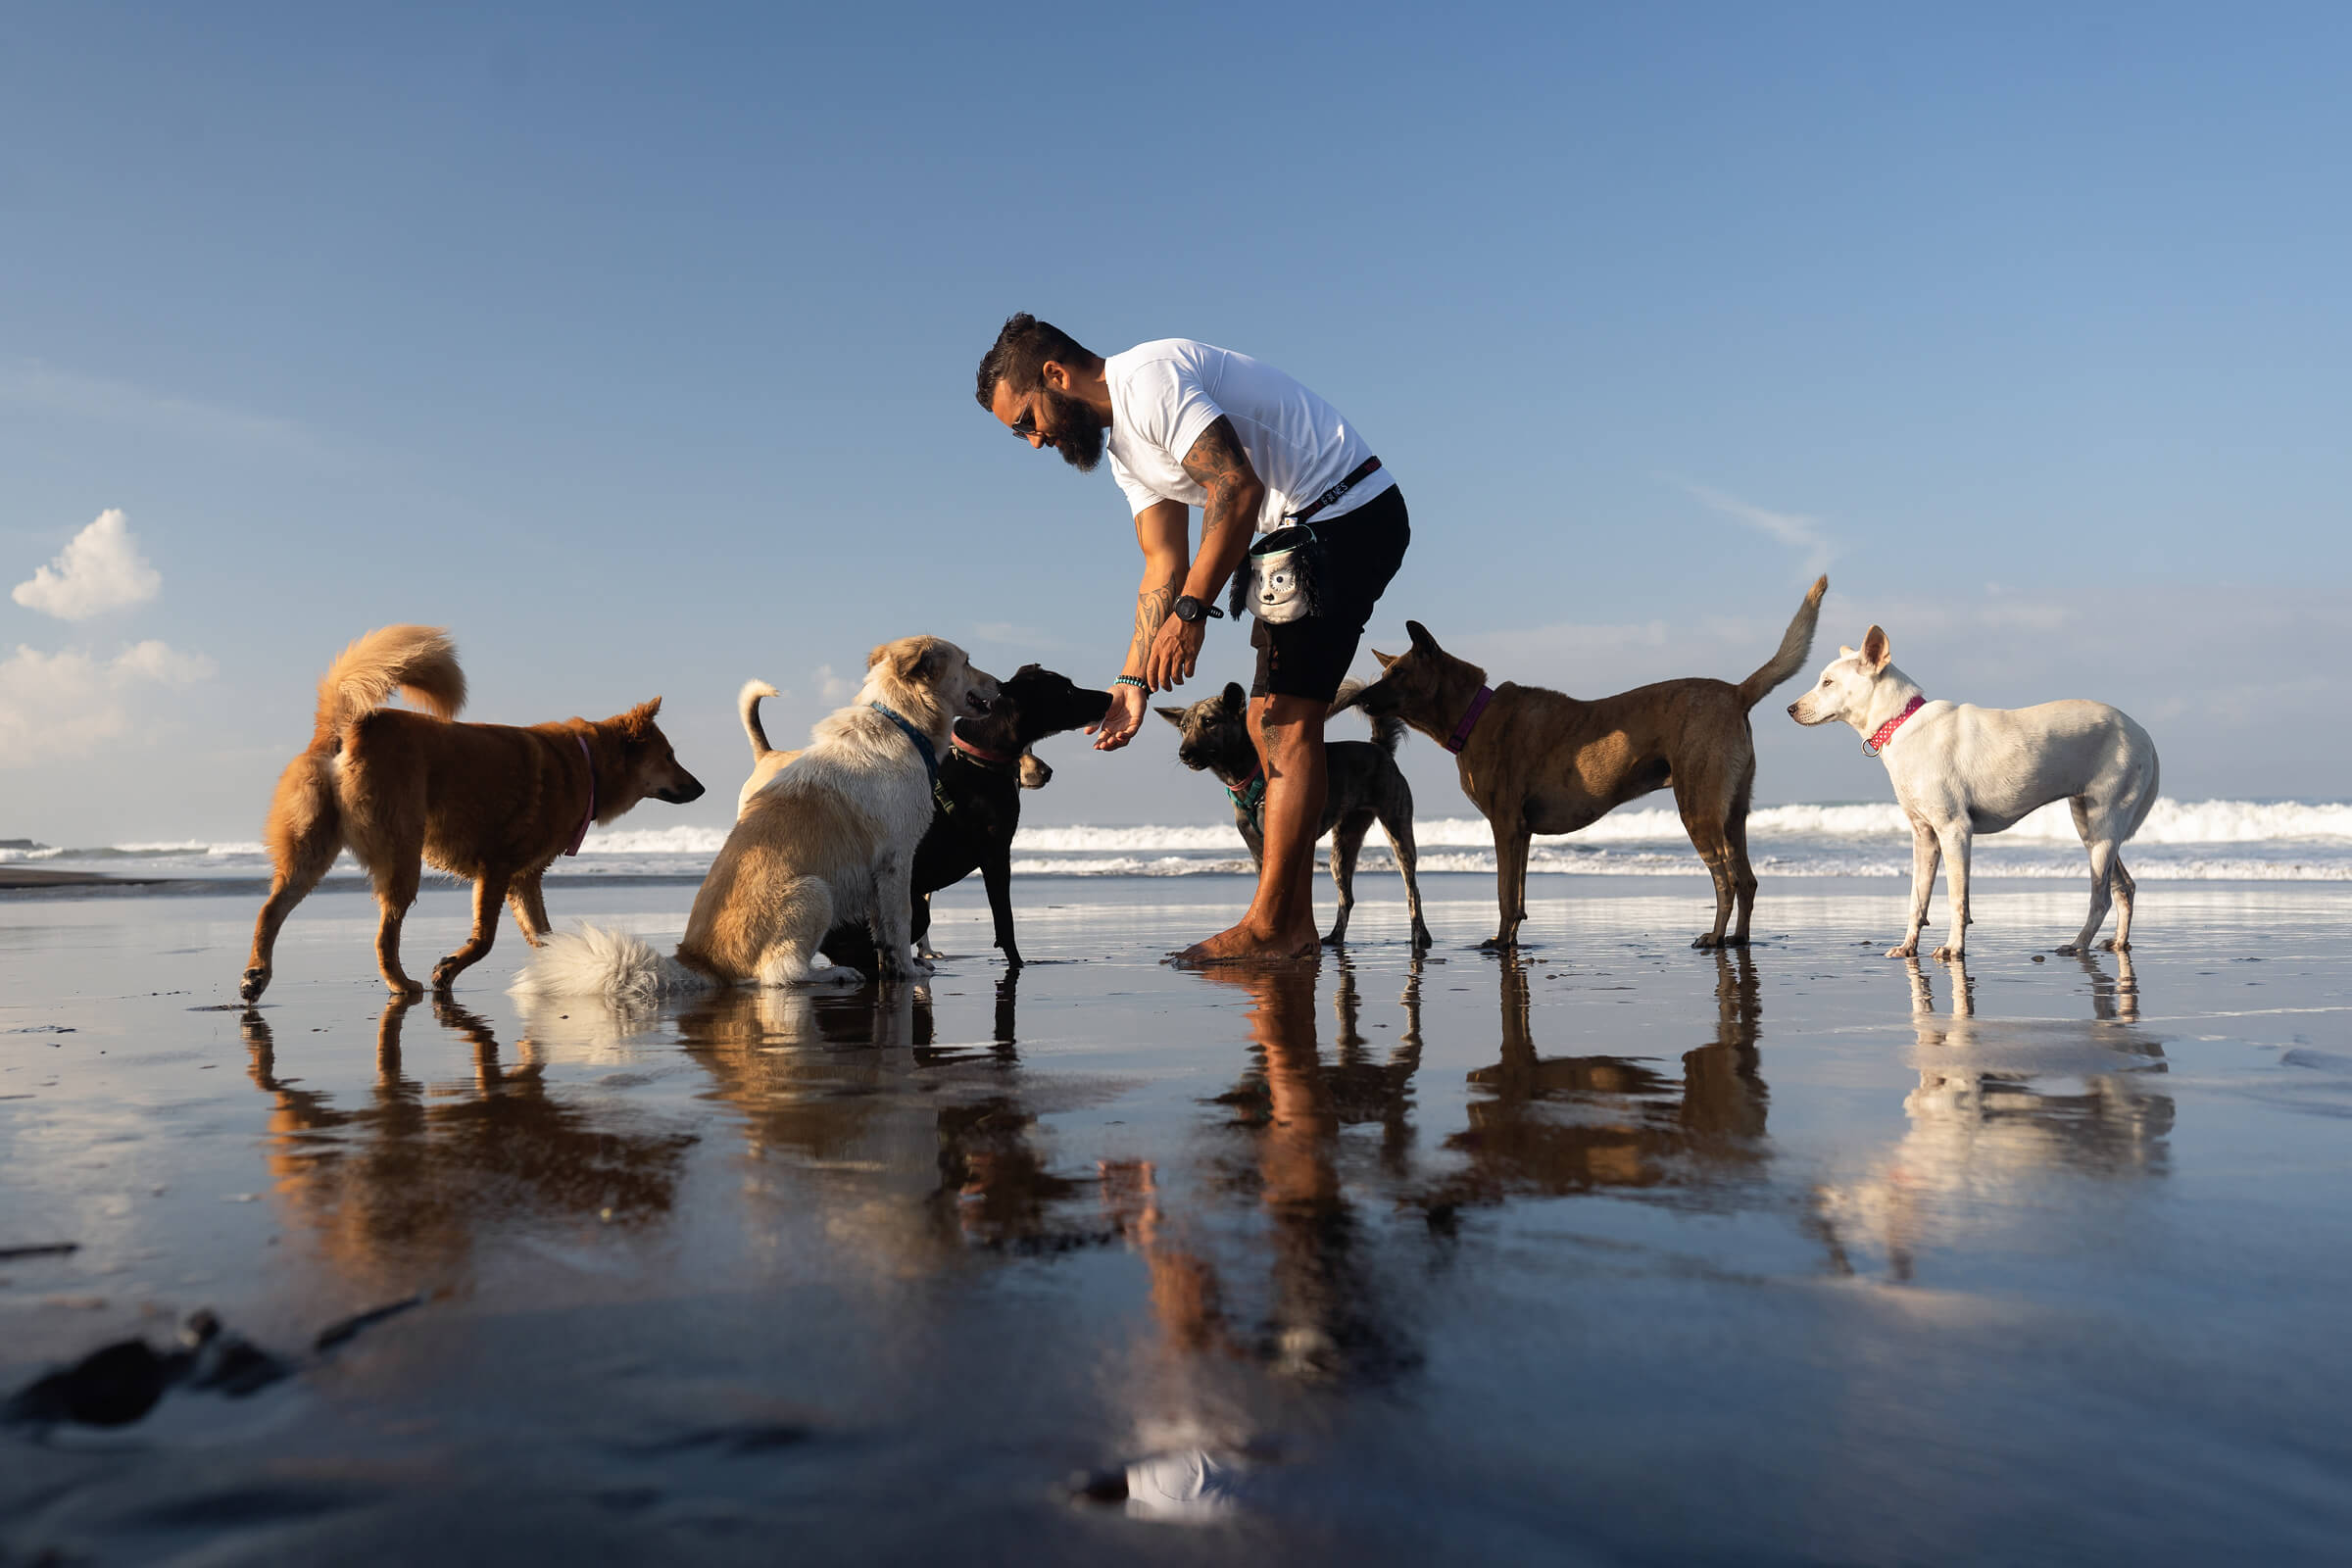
<point>1362,550</point>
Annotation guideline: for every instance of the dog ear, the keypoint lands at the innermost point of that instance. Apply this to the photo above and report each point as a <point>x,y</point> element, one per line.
<point>1174,715</point>
<point>924,661</point>
<point>1421,637</point>
<point>1029,672</point>
<point>1386,659</point>
<point>1874,649</point>
<point>1844,652</point>
<point>637,720</point>
<point>1235,698</point>
<point>880,652</point>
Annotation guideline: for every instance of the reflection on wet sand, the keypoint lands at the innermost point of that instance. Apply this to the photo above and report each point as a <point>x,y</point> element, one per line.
<point>399,1191</point>
<point>1323,1315</point>
<point>2001,1104</point>
<point>920,1150</point>
<point>1558,1125</point>
<point>1321,1318</point>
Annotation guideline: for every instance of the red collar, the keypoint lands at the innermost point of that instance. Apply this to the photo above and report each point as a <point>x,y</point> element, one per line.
<point>1461,732</point>
<point>581,837</point>
<point>1886,732</point>
<point>977,753</point>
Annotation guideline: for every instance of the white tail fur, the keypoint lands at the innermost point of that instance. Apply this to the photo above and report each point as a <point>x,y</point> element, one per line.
<point>747,709</point>
<point>613,964</point>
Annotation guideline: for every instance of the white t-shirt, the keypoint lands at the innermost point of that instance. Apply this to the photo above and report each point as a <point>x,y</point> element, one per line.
<point>1164,394</point>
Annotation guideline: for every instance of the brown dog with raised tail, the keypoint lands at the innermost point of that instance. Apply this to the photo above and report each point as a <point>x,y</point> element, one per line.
<point>489,802</point>
<point>1537,762</point>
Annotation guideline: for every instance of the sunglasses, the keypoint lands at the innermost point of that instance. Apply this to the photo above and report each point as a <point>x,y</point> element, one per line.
<point>1026,425</point>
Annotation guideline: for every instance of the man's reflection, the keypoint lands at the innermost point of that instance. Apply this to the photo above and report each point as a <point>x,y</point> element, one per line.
<point>405,1183</point>
<point>1323,1318</point>
<point>1558,1125</point>
<point>2001,1106</point>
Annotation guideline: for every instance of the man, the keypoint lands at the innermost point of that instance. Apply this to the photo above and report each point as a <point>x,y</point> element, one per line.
<point>1188,424</point>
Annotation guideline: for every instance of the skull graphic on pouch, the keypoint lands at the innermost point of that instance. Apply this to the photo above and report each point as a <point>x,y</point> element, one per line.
<point>1284,568</point>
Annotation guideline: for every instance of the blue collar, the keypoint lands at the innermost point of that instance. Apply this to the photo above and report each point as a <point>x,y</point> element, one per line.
<point>922,742</point>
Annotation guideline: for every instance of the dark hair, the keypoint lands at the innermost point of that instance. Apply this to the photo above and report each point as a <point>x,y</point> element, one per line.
<point>1020,354</point>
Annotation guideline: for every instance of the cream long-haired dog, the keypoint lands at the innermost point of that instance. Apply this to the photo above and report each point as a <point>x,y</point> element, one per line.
<point>830,839</point>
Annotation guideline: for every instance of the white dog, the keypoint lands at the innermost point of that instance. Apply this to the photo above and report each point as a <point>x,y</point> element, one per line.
<point>829,839</point>
<point>1960,770</point>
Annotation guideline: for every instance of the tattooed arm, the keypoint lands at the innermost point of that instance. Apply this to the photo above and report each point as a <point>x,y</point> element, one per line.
<point>1218,465</point>
<point>1162,529</point>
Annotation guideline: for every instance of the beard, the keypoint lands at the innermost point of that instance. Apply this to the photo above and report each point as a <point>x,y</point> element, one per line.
<point>1077,431</point>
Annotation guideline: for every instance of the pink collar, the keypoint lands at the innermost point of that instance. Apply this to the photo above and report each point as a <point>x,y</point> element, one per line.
<point>581,837</point>
<point>1461,732</point>
<point>1886,732</point>
<point>969,749</point>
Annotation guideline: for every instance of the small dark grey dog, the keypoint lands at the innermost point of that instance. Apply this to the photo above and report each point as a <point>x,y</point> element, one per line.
<point>1366,786</point>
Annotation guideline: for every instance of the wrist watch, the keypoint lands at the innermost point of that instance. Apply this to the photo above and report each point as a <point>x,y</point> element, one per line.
<point>1192,612</point>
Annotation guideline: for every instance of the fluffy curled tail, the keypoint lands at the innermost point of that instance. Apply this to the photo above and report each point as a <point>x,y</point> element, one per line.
<point>1388,730</point>
<point>419,660</point>
<point>613,964</point>
<point>1796,646</point>
<point>747,707</point>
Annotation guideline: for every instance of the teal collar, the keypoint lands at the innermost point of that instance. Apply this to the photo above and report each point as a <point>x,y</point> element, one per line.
<point>922,742</point>
<point>1251,798</point>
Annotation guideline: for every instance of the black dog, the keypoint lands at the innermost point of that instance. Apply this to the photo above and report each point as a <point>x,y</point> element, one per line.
<point>977,803</point>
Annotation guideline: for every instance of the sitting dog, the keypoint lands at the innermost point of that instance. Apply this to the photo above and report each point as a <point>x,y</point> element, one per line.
<point>830,839</point>
<point>1366,786</point>
<point>488,802</point>
<point>979,804</point>
<point>1959,770</point>
<point>767,761</point>
<point>1535,762</point>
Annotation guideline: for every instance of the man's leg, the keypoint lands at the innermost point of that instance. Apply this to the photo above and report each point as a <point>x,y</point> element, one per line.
<point>1280,922</point>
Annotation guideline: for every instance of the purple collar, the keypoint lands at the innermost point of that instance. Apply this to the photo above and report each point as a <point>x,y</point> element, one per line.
<point>1461,732</point>
<point>581,837</point>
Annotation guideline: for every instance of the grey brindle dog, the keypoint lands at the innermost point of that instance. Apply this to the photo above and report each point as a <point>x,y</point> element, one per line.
<point>1366,786</point>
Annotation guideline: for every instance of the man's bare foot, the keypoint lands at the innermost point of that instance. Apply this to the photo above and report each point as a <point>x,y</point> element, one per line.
<point>1242,945</point>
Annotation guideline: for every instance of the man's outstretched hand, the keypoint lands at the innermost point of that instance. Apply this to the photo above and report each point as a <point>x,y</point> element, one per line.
<point>1175,650</point>
<point>1119,722</point>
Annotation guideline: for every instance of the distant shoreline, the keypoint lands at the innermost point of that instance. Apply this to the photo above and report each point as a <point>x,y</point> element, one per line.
<point>22,876</point>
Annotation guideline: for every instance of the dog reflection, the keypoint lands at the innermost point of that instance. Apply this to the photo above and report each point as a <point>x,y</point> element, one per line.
<point>2001,1106</point>
<point>1323,1319</point>
<point>1558,1125</point>
<point>404,1184</point>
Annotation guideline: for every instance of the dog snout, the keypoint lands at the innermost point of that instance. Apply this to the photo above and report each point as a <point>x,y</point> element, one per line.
<point>1793,713</point>
<point>685,788</point>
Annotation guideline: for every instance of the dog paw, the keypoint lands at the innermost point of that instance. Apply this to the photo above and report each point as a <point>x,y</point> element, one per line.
<point>1013,960</point>
<point>836,974</point>
<point>445,975</point>
<point>405,988</point>
<point>2113,946</point>
<point>1707,939</point>
<point>252,984</point>
<point>1950,954</point>
<point>2066,952</point>
<point>1909,950</point>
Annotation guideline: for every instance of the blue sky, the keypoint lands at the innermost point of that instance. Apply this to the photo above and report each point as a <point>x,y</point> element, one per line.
<point>635,345</point>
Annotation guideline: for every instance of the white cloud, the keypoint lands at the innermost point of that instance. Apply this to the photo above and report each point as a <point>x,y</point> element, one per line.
<point>54,706</point>
<point>1793,530</point>
<point>100,570</point>
<point>831,687</point>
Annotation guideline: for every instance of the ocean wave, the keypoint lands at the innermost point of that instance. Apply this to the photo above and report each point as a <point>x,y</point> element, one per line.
<point>2265,840</point>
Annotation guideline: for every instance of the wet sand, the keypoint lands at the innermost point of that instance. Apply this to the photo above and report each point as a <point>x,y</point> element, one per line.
<point>1621,1253</point>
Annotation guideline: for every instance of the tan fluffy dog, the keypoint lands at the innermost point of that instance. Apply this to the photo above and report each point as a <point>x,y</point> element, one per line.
<point>829,839</point>
<point>767,761</point>
<point>1535,762</point>
<point>489,802</point>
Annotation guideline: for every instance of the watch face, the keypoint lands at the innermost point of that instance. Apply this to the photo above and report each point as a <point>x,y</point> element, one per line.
<point>1188,608</point>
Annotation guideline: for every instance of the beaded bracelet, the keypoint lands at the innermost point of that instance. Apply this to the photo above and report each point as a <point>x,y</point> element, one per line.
<point>1136,681</point>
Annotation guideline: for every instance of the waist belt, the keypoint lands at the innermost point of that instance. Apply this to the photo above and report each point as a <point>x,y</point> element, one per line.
<point>1364,470</point>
